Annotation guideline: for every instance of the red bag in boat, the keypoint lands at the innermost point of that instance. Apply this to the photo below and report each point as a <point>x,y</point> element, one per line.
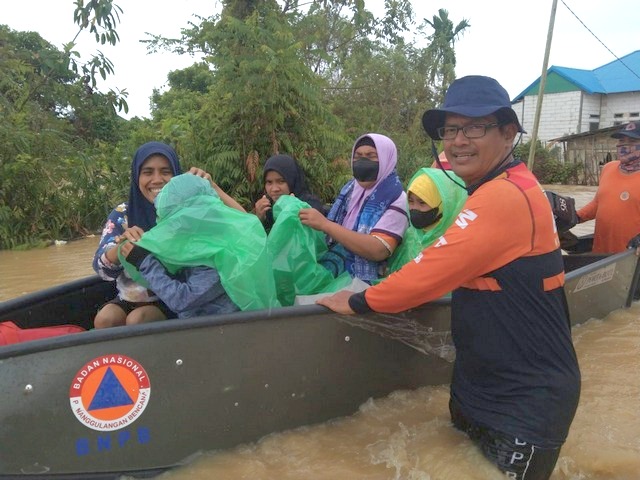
<point>12,333</point>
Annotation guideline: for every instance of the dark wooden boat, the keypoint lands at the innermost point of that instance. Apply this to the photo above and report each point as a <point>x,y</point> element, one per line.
<point>143,399</point>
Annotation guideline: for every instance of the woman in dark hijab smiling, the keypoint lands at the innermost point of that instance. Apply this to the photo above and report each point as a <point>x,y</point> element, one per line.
<point>283,176</point>
<point>153,165</point>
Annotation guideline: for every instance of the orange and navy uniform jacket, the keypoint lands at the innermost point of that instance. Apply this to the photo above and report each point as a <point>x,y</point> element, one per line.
<point>515,370</point>
<point>616,208</point>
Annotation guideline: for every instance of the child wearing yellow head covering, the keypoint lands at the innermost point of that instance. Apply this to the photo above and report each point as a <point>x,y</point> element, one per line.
<point>436,189</point>
<point>424,194</point>
<point>425,188</point>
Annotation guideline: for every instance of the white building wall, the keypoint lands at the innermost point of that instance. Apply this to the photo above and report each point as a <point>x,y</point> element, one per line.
<point>591,112</point>
<point>560,115</point>
<point>569,113</point>
<point>620,108</point>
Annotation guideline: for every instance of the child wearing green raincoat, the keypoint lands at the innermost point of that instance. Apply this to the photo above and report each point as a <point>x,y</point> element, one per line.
<point>202,257</point>
<point>434,203</point>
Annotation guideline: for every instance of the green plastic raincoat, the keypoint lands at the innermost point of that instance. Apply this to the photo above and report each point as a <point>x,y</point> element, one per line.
<point>295,249</point>
<point>415,240</point>
<point>195,228</point>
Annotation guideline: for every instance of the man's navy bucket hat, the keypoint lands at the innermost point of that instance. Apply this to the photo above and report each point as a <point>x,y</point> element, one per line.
<point>472,96</point>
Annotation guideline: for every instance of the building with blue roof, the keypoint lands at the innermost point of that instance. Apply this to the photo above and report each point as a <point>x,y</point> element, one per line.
<point>579,101</point>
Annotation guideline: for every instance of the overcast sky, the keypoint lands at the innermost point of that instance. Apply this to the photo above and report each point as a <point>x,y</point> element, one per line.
<point>506,39</point>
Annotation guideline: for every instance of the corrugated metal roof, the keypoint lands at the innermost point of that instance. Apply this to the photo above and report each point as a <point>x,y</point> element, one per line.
<point>593,133</point>
<point>618,76</point>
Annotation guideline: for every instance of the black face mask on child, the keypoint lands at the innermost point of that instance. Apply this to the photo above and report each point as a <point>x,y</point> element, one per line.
<point>420,219</point>
<point>365,170</point>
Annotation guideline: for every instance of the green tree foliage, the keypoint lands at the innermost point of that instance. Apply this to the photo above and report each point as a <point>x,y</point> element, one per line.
<point>174,111</point>
<point>50,119</point>
<point>287,76</point>
<point>262,99</point>
<point>441,50</point>
<point>304,78</point>
<point>547,166</point>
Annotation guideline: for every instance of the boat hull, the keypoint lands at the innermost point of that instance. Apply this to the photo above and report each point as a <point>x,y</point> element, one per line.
<point>216,382</point>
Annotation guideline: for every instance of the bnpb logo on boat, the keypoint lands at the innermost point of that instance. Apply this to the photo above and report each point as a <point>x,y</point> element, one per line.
<point>109,392</point>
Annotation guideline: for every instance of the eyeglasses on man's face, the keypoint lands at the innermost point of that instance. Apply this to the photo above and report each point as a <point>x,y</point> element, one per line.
<point>469,131</point>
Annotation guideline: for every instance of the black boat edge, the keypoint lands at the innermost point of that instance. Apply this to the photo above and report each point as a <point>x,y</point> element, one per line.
<point>213,383</point>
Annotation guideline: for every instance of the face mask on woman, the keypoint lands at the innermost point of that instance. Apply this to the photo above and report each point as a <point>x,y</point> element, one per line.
<point>365,170</point>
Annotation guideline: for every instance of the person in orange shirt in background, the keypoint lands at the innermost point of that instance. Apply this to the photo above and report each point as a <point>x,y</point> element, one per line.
<point>616,205</point>
<point>516,381</point>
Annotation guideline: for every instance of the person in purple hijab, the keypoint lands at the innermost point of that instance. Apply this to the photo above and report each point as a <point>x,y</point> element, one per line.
<point>153,165</point>
<point>368,219</point>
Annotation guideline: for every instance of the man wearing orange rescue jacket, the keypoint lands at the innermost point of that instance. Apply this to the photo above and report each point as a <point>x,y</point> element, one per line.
<point>516,380</point>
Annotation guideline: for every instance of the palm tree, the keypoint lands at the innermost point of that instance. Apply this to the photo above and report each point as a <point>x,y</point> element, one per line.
<point>441,51</point>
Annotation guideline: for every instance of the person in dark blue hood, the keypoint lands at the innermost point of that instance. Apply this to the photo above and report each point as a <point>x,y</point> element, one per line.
<point>153,165</point>
<point>145,186</point>
<point>283,176</point>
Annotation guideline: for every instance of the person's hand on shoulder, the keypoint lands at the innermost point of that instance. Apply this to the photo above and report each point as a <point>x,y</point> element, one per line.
<point>133,234</point>
<point>226,198</point>
<point>198,172</point>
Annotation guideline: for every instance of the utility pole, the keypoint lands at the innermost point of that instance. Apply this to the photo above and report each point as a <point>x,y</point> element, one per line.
<point>543,81</point>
